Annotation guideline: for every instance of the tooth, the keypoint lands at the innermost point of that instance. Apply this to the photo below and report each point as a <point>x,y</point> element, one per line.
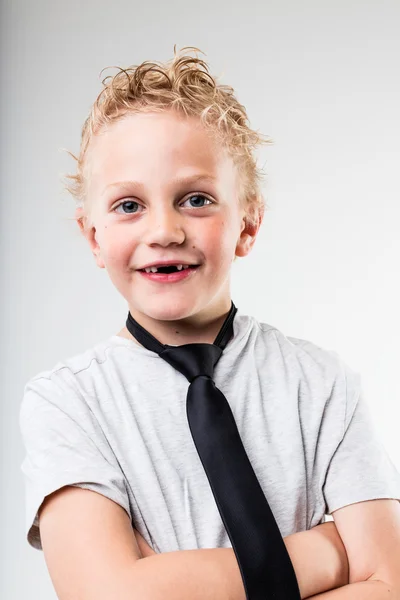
<point>185,266</point>
<point>153,269</point>
<point>179,267</point>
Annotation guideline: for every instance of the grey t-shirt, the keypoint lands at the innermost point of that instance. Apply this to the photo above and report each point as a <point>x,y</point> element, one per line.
<point>113,419</point>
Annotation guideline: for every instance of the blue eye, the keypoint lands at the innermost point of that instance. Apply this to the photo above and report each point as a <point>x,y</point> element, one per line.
<point>134,204</point>
<point>198,196</point>
<point>126,202</point>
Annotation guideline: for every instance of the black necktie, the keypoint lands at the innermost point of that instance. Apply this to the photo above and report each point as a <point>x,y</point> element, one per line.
<point>266,569</point>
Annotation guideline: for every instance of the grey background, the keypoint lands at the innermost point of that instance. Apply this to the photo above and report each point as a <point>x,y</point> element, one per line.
<point>321,78</point>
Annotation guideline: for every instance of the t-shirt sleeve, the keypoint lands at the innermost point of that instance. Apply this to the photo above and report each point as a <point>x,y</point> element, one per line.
<point>360,468</point>
<point>64,445</point>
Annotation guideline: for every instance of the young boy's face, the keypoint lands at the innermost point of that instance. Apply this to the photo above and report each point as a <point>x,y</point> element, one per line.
<point>159,214</point>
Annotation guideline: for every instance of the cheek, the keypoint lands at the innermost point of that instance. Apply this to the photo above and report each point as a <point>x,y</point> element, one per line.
<point>115,246</point>
<point>219,240</point>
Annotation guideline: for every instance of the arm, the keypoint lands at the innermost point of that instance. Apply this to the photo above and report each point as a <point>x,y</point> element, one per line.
<point>364,590</point>
<point>92,554</point>
<point>318,556</point>
<point>370,531</point>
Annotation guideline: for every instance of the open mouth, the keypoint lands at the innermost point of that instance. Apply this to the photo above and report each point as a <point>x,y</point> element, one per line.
<point>168,269</point>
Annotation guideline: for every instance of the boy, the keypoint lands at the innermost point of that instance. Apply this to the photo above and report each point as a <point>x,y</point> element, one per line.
<point>174,150</point>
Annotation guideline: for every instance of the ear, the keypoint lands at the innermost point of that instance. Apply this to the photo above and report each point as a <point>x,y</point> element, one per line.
<point>90,235</point>
<point>248,234</point>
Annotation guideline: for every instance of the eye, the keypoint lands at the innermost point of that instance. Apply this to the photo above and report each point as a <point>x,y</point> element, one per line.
<point>198,198</point>
<point>132,203</point>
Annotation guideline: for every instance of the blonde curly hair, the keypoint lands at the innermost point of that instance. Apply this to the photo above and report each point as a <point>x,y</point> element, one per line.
<point>183,84</point>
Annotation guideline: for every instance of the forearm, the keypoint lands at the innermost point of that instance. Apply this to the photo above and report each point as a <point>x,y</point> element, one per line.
<point>364,590</point>
<point>319,559</point>
<point>317,555</point>
<point>205,574</point>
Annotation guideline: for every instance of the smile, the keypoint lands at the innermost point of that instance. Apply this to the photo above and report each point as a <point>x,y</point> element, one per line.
<point>166,268</point>
<point>170,274</point>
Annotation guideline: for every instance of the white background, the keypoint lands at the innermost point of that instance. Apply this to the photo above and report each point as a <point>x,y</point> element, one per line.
<point>321,78</point>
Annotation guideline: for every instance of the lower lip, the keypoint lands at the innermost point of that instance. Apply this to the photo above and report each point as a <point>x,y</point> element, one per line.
<point>169,277</point>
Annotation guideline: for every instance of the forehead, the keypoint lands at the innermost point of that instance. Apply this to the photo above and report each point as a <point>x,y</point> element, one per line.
<point>154,144</point>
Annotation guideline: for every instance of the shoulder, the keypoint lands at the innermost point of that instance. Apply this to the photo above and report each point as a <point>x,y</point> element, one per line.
<point>92,361</point>
<point>303,349</point>
<point>309,359</point>
<point>67,383</point>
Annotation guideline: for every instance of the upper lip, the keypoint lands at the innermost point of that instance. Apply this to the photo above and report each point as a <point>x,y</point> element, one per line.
<point>166,263</point>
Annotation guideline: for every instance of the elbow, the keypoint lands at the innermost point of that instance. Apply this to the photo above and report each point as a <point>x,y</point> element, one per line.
<point>390,584</point>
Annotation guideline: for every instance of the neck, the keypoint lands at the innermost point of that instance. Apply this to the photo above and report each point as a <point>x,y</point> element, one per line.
<point>200,328</point>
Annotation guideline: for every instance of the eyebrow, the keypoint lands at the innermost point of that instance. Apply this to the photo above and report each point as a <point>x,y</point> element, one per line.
<point>177,181</point>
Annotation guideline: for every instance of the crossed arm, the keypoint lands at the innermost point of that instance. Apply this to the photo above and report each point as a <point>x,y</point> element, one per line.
<point>318,557</point>
<point>92,552</point>
<point>356,557</point>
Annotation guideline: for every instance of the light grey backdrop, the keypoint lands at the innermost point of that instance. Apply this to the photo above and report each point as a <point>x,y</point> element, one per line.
<point>320,77</point>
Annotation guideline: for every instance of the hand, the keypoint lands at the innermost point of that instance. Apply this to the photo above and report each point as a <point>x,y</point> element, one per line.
<point>144,548</point>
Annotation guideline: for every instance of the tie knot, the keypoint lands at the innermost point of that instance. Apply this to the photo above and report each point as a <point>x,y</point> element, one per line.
<point>193,360</point>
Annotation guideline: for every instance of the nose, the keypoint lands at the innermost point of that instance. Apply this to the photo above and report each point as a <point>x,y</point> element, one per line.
<point>164,227</point>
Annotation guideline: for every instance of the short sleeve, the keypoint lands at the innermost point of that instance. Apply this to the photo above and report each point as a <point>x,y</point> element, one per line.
<point>64,445</point>
<point>360,468</point>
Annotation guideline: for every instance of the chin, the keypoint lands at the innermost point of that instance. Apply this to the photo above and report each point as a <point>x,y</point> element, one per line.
<point>171,311</point>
